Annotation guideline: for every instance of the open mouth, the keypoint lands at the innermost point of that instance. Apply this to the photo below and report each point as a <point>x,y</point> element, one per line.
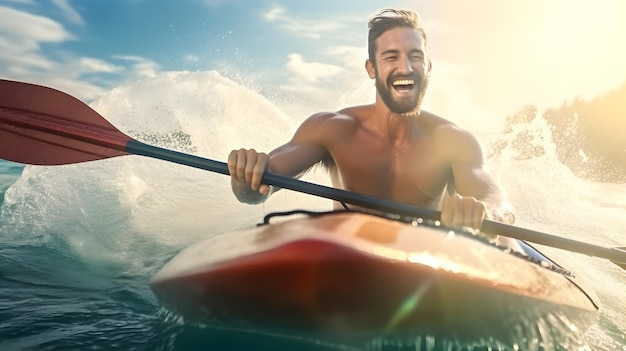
<point>403,85</point>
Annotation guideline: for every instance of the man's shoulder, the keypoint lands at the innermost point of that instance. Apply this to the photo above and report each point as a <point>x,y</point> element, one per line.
<point>354,114</point>
<point>355,111</point>
<point>449,135</point>
<point>328,126</point>
<point>347,117</point>
<point>433,120</point>
<point>438,126</point>
<point>441,125</point>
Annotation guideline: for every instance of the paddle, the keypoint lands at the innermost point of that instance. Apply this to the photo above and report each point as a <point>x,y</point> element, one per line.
<point>43,126</point>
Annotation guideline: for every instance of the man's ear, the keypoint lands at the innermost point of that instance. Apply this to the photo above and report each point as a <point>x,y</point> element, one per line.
<point>371,70</point>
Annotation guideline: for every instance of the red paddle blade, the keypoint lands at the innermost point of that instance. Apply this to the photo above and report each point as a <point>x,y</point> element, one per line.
<point>43,126</point>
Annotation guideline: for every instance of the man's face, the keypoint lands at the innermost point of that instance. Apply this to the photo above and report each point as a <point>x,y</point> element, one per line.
<point>401,70</point>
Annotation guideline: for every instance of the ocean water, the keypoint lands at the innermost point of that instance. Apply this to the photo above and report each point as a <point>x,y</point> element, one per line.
<point>79,243</point>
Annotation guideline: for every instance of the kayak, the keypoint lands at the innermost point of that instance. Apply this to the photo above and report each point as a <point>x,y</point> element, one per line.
<point>345,272</point>
<point>351,272</point>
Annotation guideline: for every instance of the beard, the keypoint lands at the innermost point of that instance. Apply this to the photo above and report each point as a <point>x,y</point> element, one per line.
<point>409,106</point>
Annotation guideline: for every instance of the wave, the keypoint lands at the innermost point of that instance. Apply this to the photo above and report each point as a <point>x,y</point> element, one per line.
<point>118,210</point>
<point>109,209</point>
<point>133,213</point>
<point>587,137</point>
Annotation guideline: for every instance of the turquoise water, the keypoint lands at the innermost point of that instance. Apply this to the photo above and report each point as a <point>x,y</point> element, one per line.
<point>79,243</point>
<point>53,299</point>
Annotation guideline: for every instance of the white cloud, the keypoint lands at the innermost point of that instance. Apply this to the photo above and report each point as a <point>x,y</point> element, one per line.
<point>21,36</point>
<point>322,85</point>
<point>350,56</point>
<point>275,13</point>
<point>310,71</point>
<point>141,67</point>
<point>191,58</point>
<point>22,57</point>
<point>93,65</point>
<point>27,30</point>
<point>302,27</point>
<point>70,13</point>
<point>311,80</point>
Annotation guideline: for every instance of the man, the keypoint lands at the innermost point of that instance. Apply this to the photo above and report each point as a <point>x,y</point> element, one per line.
<point>390,149</point>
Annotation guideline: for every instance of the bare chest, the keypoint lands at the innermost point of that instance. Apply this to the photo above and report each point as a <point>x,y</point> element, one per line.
<point>413,172</point>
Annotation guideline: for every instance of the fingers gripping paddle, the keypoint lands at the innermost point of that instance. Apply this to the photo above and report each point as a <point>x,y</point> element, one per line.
<point>43,126</point>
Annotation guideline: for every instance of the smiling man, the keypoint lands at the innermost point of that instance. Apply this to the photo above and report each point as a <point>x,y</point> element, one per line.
<point>390,149</point>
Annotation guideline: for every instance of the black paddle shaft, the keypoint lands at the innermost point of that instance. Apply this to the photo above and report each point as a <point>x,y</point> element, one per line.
<point>139,148</point>
<point>615,255</point>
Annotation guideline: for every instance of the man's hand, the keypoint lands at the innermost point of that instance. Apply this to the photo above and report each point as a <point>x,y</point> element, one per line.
<point>462,211</point>
<point>247,166</point>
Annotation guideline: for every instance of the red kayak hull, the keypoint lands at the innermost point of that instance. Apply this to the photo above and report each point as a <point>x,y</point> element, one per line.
<point>352,273</point>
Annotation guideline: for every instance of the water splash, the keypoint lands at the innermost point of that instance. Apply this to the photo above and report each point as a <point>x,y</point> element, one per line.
<point>134,212</point>
<point>122,210</point>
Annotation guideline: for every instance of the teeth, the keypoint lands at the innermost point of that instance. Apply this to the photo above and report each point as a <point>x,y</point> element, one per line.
<point>403,82</point>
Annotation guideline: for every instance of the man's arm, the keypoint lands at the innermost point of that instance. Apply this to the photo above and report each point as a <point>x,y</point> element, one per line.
<point>478,195</point>
<point>305,149</point>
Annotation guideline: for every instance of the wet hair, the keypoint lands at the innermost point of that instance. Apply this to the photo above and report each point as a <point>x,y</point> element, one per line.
<point>388,19</point>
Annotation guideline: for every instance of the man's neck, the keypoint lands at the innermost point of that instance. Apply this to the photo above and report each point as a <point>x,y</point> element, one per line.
<point>397,127</point>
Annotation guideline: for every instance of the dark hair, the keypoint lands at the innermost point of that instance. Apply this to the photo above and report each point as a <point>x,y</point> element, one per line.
<point>389,19</point>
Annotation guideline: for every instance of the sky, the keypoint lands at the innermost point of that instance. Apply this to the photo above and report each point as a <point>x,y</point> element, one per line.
<point>490,57</point>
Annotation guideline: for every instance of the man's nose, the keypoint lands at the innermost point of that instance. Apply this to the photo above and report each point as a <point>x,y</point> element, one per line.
<point>405,66</point>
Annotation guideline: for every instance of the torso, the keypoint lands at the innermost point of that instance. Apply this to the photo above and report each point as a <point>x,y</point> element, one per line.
<point>411,170</point>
